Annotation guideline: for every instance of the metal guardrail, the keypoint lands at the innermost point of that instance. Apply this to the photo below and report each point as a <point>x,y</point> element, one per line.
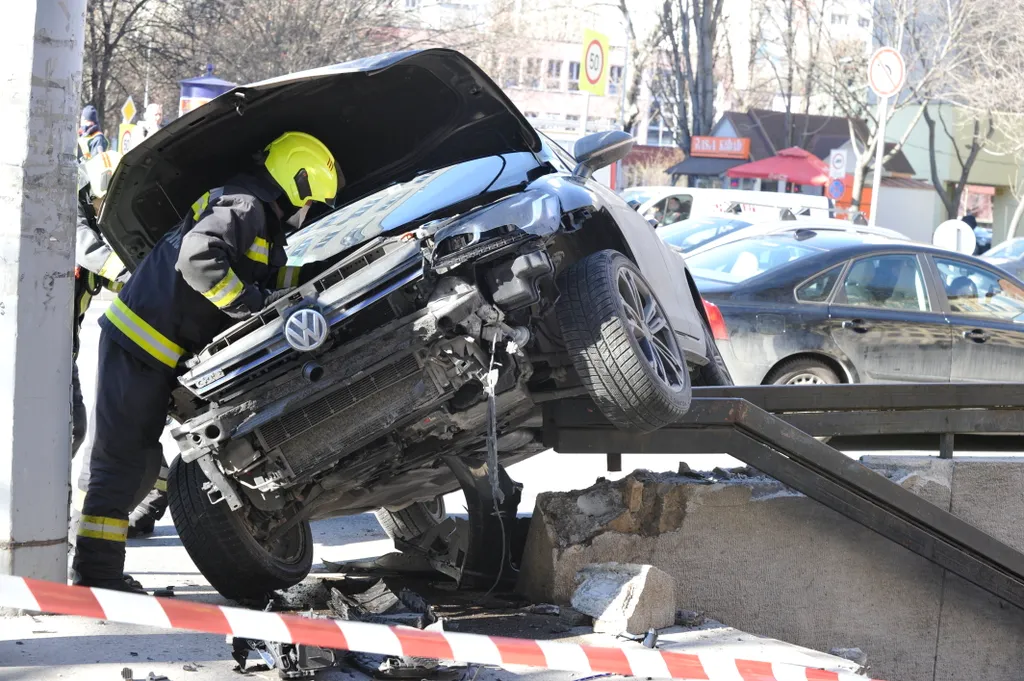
<point>773,429</point>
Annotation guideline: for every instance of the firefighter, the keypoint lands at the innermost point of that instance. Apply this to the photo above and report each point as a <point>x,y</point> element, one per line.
<point>219,264</point>
<point>91,141</point>
<point>98,267</point>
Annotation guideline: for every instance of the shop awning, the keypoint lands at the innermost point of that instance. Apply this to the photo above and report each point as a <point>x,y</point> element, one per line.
<point>699,165</point>
<point>790,165</point>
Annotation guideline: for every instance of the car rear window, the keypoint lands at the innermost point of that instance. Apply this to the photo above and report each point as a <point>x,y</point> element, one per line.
<point>742,260</point>
<point>819,288</point>
<point>691,234</point>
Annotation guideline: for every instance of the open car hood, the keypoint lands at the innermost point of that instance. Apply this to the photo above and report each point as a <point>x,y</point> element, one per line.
<point>385,118</point>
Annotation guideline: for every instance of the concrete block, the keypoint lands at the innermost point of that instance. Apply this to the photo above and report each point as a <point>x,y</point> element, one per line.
<point>758,556</point>
<point>625,597</point>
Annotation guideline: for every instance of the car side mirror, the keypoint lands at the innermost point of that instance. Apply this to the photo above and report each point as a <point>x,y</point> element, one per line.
<point>600,150</point>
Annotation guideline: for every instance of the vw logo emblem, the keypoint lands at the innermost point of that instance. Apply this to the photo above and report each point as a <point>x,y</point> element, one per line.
<point>305,330</point>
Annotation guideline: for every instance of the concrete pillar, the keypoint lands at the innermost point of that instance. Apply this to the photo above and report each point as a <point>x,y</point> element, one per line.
<point>40,75</point>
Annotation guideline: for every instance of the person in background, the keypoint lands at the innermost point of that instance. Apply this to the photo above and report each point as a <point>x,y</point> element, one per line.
<point>91,140</point>
<point>153,119</point>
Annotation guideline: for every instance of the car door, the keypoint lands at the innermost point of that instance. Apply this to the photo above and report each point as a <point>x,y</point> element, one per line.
<point>888,321</point>
<point>983,304</point>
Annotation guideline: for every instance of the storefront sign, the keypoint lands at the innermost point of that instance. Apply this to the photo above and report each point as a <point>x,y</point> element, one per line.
<point>720,147</point>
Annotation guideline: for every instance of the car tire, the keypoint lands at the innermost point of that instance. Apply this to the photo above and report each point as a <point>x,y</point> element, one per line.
<point>714,372</point>
<point>803,371</point>
<point>224,549</point>
<point>630,363</point>
<point>412,522</point>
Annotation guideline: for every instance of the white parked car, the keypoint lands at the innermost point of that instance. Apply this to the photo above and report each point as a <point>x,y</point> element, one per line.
<point>666,205</point>
<point>692,237</point>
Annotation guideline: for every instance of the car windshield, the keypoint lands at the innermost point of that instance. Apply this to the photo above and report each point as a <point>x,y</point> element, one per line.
<point>688,235</point>
<point>742,260</point>
<point>404,204</point>
<point>1007,249</point>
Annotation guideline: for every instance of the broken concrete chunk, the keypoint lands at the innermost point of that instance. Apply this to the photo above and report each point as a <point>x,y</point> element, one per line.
<point>622,597</point>
<point>543,609</point>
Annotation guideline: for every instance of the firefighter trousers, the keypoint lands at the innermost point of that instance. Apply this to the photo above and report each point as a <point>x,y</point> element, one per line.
<point>122,458</point>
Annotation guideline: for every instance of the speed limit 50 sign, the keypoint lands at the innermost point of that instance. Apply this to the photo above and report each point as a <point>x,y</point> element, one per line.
<point>594,67</point>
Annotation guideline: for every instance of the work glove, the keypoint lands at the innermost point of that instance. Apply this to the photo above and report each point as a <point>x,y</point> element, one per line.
<point>274,296</point>
<point>247,304</point>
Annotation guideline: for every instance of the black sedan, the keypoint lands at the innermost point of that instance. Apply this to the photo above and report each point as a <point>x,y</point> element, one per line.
<point>816,307</point>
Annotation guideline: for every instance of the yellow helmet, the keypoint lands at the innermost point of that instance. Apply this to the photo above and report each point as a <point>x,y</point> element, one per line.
<point>97,171</point>
<point>304,167</point>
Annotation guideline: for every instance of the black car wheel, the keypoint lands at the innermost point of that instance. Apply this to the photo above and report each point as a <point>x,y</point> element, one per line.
<point>803,371</point>
<point>621,342</point>
<point>225,545</point>
<point>412,522</point>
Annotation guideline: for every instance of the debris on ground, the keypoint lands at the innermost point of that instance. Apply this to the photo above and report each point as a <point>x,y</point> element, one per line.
<point>852,654</point>
<point>690,618</point>
<point>190,667</point>
<point>623,597</point>
<point>413,668</point>
<point>543,609</point>
<point>380,605</point>
<point>292,661</point>
<point>166,592</point>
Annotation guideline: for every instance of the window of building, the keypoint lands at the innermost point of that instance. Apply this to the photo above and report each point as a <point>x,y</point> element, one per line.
<point>532,79</point>
<point>574,75</point>
<point>864,22</point>
<point>412,4</point>
<point>572,117</point>
<point>511,72</point>
<point>554,79</point>
<point>614,80</point>
<point>840,19</point>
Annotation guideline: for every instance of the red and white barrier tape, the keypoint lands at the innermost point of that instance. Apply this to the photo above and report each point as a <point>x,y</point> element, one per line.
<point>172,613</point>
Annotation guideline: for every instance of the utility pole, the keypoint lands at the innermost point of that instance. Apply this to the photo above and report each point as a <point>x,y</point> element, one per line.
<point>41,74</point>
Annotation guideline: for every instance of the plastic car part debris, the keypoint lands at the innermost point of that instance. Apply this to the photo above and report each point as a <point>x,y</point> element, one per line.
<point>292,661</point>
<point>386,668</point>
<point>127,674</point>
<point>380,605</point>
<point>155,677</point>
<point>166,592</point>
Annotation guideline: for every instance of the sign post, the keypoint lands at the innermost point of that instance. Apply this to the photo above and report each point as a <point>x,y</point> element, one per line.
<point>125,130</point>
<point>886,74</point>
<point>593,71</point>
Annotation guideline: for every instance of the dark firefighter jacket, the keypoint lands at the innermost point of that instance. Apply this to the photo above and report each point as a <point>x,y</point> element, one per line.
<point>219,262</point>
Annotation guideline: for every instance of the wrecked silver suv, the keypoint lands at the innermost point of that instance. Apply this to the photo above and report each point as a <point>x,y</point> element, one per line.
<point>470,271</point>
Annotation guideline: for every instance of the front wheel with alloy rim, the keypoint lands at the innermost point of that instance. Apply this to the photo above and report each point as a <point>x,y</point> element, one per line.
<point>803,371</point>
<point>229,547</point>
<point>621,343</point>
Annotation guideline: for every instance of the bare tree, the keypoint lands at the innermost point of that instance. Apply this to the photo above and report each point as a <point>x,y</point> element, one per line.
<point>687,93</point>
<point>965,151</point>
<point>112,29</point>
<point>932,35</point>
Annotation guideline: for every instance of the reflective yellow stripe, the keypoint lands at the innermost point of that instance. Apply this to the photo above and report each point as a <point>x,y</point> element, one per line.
<point>84,302</point>
<point>160,486</point>
<point>259,251</point>
<point>199,206</point>
<point>144,335</point>
<point>226,291</point>
<point>100,527</point>
<point>114,286</point>
<point>287,277</point>
<point>83,146</point>
<point>112,267</point>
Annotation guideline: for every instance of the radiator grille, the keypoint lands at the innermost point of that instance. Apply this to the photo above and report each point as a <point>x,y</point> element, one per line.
<point>299,421</point>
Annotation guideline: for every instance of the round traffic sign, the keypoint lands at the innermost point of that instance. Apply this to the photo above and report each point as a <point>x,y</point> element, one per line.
<point>886,72</point>
<point>594,66</point>
<point>836,189</point>
<point>837,163</point>
<point>955,235</point>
